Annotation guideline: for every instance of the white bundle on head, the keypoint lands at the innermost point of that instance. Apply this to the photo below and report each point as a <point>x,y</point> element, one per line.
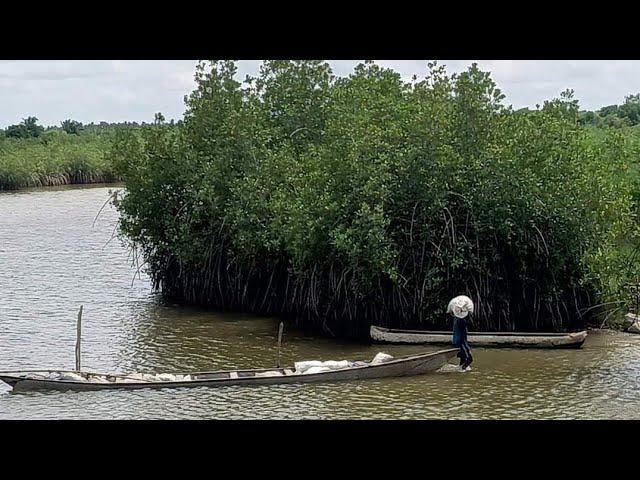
<point>460,306</point>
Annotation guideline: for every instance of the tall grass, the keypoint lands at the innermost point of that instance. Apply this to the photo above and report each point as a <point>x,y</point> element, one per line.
<point>55,158</point>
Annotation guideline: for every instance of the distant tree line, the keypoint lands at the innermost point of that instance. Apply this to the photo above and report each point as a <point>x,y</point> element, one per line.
<point>617,116</point>
<point>30,128</point>
<point>625,115</point>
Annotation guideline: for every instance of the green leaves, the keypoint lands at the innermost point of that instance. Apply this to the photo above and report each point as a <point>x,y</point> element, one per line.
<point>72,127</point>
<point>28,128</point>
<point>412,192</point>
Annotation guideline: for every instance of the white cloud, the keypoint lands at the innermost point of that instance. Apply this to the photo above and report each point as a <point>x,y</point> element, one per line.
<point>127,90</point>
<point>93,90</point>
<point>526,82</point>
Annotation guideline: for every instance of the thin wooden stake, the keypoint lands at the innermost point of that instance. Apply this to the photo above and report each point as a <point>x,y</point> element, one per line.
<point>280,330</point>
<point>78,338</point>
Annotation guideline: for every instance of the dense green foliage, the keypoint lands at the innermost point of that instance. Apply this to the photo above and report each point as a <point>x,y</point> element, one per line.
<point>72,127</point>
<point>342,202</point>
<point>28,128</point>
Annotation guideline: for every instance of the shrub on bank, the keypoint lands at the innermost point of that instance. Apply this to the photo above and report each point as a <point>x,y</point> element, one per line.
<point>342,202</point>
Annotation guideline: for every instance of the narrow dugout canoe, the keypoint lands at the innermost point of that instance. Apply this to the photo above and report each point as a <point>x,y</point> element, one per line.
<point>397,367</point>
<point>481,339</point>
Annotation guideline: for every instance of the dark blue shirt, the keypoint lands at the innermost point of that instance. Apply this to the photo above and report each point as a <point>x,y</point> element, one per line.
<point>459,331</point>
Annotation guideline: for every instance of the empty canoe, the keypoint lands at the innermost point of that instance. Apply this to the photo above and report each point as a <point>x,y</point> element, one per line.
<point>482,339</point>
<point>396,367</point>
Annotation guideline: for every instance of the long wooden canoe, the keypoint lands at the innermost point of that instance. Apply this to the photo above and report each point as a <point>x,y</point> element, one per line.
<point>397,367</point>
<point>481,339</point>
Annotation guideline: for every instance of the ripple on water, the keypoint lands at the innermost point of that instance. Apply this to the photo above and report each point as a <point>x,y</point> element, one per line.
<point>53,260</point>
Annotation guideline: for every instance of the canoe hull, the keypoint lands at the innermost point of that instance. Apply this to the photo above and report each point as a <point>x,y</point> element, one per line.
<point>401,367</point>
<point>483,339</point>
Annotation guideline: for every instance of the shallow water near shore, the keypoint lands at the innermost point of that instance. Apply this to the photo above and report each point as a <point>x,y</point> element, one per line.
<point>52,260</point>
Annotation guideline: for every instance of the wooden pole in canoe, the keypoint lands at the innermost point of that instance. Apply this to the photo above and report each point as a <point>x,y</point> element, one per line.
<point>78,339</point>
<point>280,330</point>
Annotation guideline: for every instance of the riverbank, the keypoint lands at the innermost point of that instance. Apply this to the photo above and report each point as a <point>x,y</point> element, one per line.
<point>55,159</point>
<point>60,179</point>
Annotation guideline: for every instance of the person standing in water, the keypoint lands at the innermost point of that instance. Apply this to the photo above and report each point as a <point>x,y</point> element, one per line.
<point>460,307</point>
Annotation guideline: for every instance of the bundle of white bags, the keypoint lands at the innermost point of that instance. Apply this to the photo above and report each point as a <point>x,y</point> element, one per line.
<point>68,376</point>
<point>156,377</point>
<point>273,373</point>
<point>301,368</point>
<point>315,366</point>
<point>460,306</point>
<point>132,378</point>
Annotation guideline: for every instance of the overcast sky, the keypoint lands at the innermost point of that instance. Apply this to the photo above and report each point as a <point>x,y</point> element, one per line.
<point>128,90</point>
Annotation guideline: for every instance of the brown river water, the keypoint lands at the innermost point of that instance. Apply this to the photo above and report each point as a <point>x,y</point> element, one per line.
<point>52,260</point>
